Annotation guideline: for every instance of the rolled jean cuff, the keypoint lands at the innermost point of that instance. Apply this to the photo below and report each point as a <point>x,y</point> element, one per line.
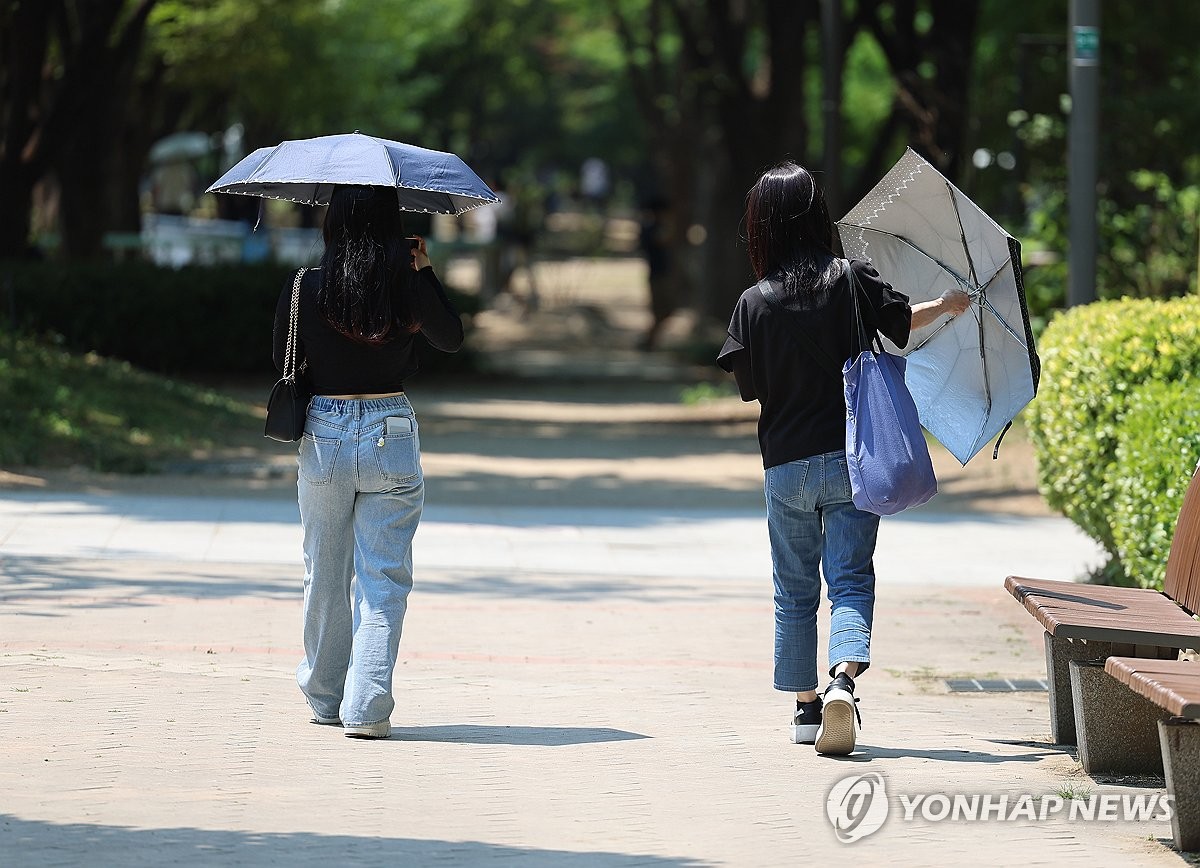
<point>813,686</point>
<point>863,663</point>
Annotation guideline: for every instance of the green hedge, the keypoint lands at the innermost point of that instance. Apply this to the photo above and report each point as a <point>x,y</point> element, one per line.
<point>1157,449</point>
<point>214,319</point>
<point>1095,358</point>
<point>196,319</point>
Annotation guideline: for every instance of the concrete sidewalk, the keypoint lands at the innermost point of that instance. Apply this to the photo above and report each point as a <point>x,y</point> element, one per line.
<point>577,687</point>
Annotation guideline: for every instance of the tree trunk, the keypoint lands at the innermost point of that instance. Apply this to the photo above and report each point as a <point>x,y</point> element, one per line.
<point>24,31</point>
<point>16,194</point>
<point>727,268</point>
<point>757,121</point>
<point>953,36</point>
<point>933,109</point>
<point>85,167</point>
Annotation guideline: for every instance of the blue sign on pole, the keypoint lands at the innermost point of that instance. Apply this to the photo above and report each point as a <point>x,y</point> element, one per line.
<point>1086,49</point>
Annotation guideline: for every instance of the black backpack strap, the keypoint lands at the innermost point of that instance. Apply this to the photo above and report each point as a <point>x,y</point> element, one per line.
<point>803,337</point>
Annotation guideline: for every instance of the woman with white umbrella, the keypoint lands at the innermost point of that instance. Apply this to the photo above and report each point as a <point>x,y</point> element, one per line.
<point>814,527</point>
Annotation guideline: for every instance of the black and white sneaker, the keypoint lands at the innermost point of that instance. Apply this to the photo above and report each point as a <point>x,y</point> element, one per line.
<point>838,725</point>
<point>806,722</point>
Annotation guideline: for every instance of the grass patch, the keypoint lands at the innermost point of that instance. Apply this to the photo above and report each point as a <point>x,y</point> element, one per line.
<point>1068,791</point>
<point>692,396</point>
<point>58,409</point>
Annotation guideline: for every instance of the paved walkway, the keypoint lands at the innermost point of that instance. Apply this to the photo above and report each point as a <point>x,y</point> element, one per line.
<point>578,687</point>
<point>585,676</point>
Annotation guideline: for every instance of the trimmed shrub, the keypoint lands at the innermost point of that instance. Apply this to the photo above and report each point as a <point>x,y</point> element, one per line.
<point>197,319</point>
<point>192,320</point>
<point>1157,449</point>
<point>1093,359</point>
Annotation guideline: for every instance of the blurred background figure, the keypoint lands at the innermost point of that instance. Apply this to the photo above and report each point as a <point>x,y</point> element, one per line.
<point>654,241</point>
<point>520,222</point>
<point>595,183</point>
<point>487,222</point>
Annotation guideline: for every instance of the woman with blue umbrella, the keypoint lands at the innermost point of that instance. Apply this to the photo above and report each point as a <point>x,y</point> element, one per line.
<point>357,316</point>
<point>360,485</point>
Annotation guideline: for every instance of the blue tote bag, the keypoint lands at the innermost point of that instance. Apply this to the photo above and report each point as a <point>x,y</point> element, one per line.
<point>886,453</point>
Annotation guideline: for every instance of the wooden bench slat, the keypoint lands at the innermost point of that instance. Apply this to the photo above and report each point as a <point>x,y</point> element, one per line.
<point>1173,685</point>
<point>1182,581</point>
<point>1021,586</point>
<point>1068,610</point>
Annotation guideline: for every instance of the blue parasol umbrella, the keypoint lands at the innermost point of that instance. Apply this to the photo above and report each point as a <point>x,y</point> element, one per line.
<point>307,170</point>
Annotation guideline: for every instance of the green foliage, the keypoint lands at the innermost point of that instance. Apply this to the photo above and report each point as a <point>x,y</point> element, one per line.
<point>1093,358</point>
<point>61,409</point>
<point>1157,449</point>
<point>502,84</point>
<point>1149,177</point>
<point>1149,246</point>
<point>868,91</point>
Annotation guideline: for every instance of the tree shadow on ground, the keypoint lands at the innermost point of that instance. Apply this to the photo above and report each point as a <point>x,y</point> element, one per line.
<point>120,584</point>
<point>34,842</point>
<point>24,578</point>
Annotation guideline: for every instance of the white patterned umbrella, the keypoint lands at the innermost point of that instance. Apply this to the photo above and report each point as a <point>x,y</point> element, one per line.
<point>969,375</point>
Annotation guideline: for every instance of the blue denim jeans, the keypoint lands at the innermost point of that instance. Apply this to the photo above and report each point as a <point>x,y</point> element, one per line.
<point>814,529</point>
<point>361,492</point>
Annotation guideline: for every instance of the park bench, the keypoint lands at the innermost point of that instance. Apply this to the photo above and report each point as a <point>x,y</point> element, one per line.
<point>1141,716</point>
<point>1089,623</point>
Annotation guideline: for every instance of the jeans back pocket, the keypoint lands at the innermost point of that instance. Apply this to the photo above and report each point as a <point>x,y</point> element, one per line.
<point>397,456</point>
<point>317,457</point>
<point>786,482</point>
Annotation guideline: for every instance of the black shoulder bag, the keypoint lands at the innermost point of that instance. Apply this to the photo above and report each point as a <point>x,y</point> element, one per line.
<point>287,406</point>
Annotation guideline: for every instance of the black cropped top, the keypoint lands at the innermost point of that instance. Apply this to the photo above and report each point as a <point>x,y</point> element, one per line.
<point>340,366</point>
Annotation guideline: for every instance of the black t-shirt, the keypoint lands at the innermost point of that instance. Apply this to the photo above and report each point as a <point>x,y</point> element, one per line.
<point>340,366</point>
<point>803,404</point>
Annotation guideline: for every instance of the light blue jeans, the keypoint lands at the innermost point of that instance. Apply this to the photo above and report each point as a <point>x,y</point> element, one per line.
<point>814,528</point>
<point>361,492</point>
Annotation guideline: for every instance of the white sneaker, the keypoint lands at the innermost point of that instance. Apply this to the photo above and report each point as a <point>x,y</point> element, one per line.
<point>382,729</point>
<point>836,737</point>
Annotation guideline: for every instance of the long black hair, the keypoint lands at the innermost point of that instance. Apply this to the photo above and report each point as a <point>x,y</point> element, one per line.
<point>366,269</point>
<point>788,230</point>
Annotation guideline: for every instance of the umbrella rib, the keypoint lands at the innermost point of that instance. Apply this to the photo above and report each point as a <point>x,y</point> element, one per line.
<point>930,337</point>
<point>986,302</point>
<point>967,285</point>
<point>962,233</point>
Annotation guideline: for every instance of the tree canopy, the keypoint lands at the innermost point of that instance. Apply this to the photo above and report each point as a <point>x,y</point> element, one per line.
<point>687,100</point>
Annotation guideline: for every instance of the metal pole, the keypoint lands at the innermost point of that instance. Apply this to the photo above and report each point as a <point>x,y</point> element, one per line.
<point>1084,44</point>
<point>831,103</point>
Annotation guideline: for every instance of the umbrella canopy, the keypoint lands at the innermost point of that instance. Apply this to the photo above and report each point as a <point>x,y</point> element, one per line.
<point>968,375</point>
<point>306,171</point>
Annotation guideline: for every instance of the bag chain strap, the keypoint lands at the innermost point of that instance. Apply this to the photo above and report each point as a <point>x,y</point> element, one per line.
<point>289,354</point>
